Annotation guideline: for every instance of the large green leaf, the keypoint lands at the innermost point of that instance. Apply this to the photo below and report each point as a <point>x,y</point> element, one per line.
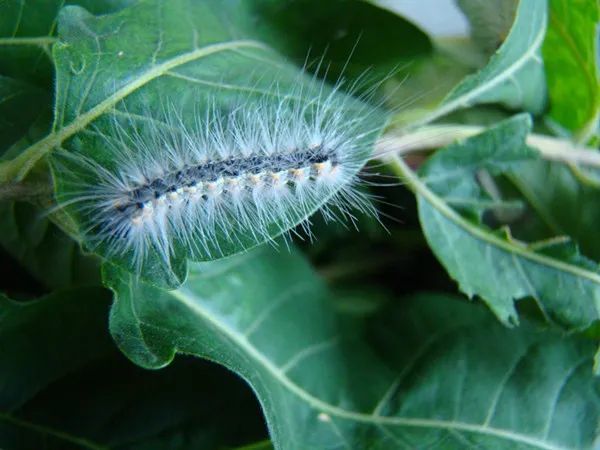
<point>106,73</point>
<point>514,76</point>
<point>571,64</point>
<point>64,385</point>
<point>442,374</point>
<point>490,263</point>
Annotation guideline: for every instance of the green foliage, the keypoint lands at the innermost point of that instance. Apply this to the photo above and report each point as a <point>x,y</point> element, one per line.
<point>79,390</point>
<point>345,339</point>
<point>570,51</point>
<point>563,201</point>
<point>514,75</point>
<point>30,327</point>
<point>297,29</point>
<point>27,31</point>
<point>15,117</point>
<point>49,254</point>
<point>492,264</point>
<point>490,21</point>
<point>268,318</point>
<point>201,65</point>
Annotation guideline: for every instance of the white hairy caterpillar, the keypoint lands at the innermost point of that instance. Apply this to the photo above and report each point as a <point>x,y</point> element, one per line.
<point>240,173</point>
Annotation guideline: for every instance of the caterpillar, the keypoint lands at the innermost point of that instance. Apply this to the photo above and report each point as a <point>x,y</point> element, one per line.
<point>228,176</point>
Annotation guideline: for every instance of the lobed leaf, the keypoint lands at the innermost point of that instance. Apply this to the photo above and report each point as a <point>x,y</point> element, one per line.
<point>492,264</point>
<point>321,385</point>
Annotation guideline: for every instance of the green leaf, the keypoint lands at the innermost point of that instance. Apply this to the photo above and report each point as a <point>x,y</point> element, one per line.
<point>571,64</point>
<point>351,36</point>
<point>27,30</point>
<point>490,21</point>
<point>25,40</point>
<point>63,385</point>
<point>110,403</point>
<point>491,263</point>
<point>18,109</point>
<point>35,349</point>
<point>264,445</point>
<point>514,76</point>
<point>187,65</point>
<point>565,204</point>
<point>28,234</point>
<point>423,89</point>
<point>267,317</point>
<point>43,249</point>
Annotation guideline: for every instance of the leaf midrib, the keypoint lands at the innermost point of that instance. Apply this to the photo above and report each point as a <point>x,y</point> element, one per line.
<point>413,181</point>
<point>80,441</point>
<point>464,99</point>
<point>316,403</point>
<point>20,166</point>
<point>40,41</point>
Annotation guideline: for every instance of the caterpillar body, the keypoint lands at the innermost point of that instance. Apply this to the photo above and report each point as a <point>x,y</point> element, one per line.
<point>239,174</point>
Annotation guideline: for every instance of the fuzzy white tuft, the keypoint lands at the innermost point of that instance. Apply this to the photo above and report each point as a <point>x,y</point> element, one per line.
<point>233,178</point>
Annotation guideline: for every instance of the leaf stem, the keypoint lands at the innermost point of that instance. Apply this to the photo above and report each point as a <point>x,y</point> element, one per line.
<point>354,268</point>
<point>435,136</point>
<point>41,41</point>
<point>416,185</point>
<point>17,169</point>
<point>262,445</point>
<point>21,191</point>
<point>83,443</point>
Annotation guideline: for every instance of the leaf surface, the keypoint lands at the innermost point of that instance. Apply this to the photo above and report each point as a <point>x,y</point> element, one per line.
<point>64,385</point>
<point>571,62</point>
<point>49,254</point>
<point>28,30</point>
<point>350,37</point>
<point>490,263</point>
<point>514,75</point>
<point>32,355</point>
<point>490,21</point>
<point>26,231</point>
<point>564,202</point>
<point>106,74</point>
<point>18,109</point>
<point>323,385</point>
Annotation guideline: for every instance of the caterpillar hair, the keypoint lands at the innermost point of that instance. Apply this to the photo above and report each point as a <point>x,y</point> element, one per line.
<point>227,175</point>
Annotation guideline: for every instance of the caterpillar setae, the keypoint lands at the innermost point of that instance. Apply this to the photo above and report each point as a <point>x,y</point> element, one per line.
<point>230,175</point>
